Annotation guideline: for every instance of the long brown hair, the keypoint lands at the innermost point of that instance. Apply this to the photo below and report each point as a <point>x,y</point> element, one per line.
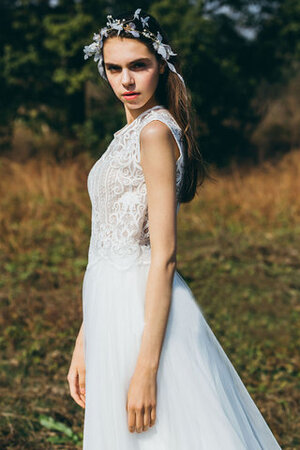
<point>172,94</point>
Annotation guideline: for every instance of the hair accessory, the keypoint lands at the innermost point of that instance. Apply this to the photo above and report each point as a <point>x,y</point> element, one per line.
<point>127,25</point>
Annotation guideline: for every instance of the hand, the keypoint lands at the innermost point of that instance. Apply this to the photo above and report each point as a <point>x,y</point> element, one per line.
<point>141,400</point>
<point>76,375</point>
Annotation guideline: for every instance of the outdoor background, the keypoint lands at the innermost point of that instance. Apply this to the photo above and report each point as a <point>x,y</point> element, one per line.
<point>238,240</point>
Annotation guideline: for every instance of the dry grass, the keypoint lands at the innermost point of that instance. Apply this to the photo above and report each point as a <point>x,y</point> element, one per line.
<point>267,196</point>
<point>238,249</point>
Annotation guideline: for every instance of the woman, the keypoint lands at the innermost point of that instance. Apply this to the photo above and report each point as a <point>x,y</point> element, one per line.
<point>146,367</point>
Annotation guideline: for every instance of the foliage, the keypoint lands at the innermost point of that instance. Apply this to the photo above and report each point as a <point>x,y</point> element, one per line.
<point>44,75</point>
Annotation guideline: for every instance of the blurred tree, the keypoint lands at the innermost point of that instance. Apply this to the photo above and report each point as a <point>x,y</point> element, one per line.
<point>228,49</point>
<point>40,59</point>
<point>276,99</point>
<point>279,127</point>
<point>277,46</point>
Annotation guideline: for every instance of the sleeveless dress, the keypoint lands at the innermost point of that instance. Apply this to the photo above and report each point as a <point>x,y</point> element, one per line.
<point>202,403</point>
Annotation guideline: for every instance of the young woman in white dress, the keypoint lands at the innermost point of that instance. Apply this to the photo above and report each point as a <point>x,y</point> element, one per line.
<point>146,366</point>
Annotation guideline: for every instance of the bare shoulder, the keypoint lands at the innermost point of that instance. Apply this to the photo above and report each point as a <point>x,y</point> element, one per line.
<point>158,137</point>
<point>155,129</point>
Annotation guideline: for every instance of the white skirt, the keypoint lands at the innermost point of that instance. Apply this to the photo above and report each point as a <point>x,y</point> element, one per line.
<point>202,403</point>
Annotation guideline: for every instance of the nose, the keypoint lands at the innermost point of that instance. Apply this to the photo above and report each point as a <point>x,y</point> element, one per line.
<point>127,77</point>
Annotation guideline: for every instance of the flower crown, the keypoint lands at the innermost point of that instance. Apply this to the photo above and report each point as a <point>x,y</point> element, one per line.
<point>127,25</point>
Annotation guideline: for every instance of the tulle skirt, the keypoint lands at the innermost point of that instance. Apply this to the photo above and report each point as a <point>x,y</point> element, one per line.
<point>202,403</point>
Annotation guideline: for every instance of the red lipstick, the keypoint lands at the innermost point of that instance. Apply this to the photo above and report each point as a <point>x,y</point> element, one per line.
<point>130,95</point>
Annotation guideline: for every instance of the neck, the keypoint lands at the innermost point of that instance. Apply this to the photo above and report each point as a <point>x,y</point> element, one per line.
<point>132,114</point>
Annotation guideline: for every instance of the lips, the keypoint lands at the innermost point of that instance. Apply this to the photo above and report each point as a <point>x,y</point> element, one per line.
<point>130,93</point>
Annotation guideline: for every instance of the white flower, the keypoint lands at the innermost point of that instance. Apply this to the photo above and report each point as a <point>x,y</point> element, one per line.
<point>95,48</point>
<point>169,50</point>
<point>96,37</point>
<point>144,21</point>
<point>136,14</point>
<point>133,31</point>
<point>159,36</point>
<point>97,56</point>
<point>117,26</point>
<point>103,31</point>
<point>89,50</point>
<point>160,48</point>
<point>163,49</point>
<point>110,20</point>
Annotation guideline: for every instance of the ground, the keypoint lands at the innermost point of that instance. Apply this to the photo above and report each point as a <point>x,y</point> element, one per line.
<point>238,249</point>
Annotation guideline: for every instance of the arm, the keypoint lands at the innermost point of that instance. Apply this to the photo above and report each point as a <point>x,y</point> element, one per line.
<point>158,149</point>
<point>80,337</point>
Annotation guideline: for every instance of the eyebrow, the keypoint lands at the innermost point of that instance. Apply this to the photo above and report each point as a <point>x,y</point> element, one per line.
<point>131,62</point>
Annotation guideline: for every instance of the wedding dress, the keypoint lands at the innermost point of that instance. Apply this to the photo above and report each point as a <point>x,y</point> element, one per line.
<point>202,403</point>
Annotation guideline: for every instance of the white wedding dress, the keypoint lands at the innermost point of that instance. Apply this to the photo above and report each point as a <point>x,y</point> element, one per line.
<point>202,403</point>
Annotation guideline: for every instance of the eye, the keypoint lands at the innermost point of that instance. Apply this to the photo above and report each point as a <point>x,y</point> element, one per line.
<point>111,68</point>
<point>139,64</point>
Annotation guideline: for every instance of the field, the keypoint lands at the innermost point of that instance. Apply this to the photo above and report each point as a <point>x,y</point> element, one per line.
<point>238,249</point>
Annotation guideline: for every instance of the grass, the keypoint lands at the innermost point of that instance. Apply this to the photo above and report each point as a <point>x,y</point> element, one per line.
<point>238,249</point>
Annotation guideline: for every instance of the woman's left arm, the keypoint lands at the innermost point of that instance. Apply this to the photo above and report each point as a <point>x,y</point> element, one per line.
<point>158,160</point>
<point>158,149</point>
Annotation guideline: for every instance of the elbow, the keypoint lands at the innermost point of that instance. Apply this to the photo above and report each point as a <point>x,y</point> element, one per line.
<point>165,259</point>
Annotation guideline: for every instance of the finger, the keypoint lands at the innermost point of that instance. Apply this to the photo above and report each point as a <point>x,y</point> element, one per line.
<point>131,420</point>
<point>81,382</point>
<point>73,389</point>
<point>81,394</point>
<point>139,420</point>
<point>80,401</point>
<point>147,418</point>
<point>152,416</point>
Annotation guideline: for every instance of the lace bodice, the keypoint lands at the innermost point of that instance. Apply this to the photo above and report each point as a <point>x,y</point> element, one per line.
<point>118,195</point>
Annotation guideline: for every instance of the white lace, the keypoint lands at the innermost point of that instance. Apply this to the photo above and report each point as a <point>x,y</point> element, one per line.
<point>118,194</point>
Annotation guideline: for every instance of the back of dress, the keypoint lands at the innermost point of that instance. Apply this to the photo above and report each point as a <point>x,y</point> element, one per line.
<point>117,189</point>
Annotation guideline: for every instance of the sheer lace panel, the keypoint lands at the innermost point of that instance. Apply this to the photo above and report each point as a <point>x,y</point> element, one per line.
<point>117,189</point>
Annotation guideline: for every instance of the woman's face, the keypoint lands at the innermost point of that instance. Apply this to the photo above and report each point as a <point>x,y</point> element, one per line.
<point>130,66</point>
